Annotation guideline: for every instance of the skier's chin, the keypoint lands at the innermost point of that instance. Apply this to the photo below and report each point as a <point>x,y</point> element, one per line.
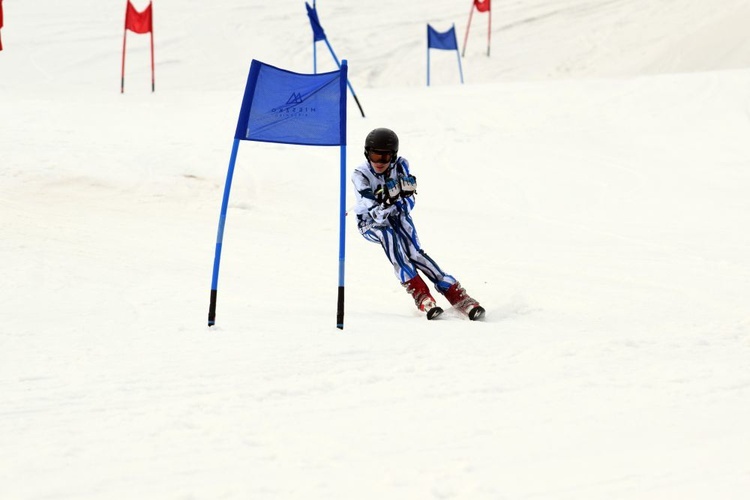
<point>380,167</point>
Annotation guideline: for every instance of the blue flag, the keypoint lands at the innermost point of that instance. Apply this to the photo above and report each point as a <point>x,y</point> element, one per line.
<point>293,108</point>
<point>443,41</point>
<point>290,108</point>
<point>318,33</point>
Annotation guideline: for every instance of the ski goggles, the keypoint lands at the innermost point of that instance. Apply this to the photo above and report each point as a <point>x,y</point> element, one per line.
<point>380,156</point>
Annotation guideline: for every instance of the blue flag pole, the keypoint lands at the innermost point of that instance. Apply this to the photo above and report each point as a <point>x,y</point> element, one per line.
<point>320,35</point>
<point>220,233</point>
<point>428,55</point>
<point>347,80</point>
<point>460,71</point>
<point>458,55</point>
<point>342,199</point>
<point>315,50</point>
<point>342,240</point>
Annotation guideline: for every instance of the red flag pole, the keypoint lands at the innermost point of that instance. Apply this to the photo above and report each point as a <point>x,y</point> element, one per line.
<point>468,27</point>
<point>153,79</point>
<point>124,38</point>
<point>489,31</point>
<point>1,23</point>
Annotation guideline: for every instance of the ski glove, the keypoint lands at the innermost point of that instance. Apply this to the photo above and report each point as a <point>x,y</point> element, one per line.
<point>403,187</point>
<point>408,185</point>
<point>380,213</point>
<point>388,194</point>
<point>381,197</point>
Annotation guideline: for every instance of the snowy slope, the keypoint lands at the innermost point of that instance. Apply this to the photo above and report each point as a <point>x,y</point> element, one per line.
<point>588,184</point>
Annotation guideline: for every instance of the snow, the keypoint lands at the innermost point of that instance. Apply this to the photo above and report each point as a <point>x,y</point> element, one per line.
<point>588,184</point>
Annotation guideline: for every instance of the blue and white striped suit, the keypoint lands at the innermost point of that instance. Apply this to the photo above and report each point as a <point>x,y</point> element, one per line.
<point>393,227</point>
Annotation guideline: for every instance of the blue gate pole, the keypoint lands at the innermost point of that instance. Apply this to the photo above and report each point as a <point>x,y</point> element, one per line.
<point>220,233</point>
<point>428,66</point>
<point>458,54</point>
<point>315,51</point>
<point>342,197</point>
<point>428,55</point>
<point>342,240</point>
<point>347,80</point>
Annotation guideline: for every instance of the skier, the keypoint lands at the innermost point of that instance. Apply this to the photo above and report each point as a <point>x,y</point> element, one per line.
<point>385,190</point>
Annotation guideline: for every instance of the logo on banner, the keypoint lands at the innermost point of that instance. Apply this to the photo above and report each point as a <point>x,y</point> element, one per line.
<point>294,107</point>
<point>295,98</point>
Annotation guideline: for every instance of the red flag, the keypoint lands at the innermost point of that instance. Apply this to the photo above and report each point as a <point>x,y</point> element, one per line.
<point>482,5</point>
<point>138,22</point>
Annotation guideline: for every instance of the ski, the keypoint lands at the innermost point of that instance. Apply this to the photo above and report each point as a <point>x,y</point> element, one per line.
<point>476,313</point>
<point>434,312</point>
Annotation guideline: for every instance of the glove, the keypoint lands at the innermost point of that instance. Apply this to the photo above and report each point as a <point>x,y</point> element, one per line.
<point>381,196</point>
<point>388,194</point>
<point>380,214</point>
<point>408,185</point>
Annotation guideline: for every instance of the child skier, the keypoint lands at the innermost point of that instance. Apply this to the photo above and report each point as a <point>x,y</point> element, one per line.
<point>385,191</point>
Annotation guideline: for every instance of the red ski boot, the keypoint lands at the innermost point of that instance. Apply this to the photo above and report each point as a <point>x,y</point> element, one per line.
<point>461,300</point>
<point>422,298</point>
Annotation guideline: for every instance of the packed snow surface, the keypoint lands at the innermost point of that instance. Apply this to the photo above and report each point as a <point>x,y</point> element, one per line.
<point>588,184</point>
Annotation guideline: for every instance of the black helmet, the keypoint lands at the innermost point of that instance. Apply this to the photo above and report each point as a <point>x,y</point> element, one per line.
<point>381,139</point>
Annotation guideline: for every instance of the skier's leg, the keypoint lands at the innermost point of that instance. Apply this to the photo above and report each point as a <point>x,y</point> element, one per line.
<point>462,301</point>
<point>445,283</point>
<point>403,268</point>
<point>417,288</point>
<point>407,233</point>
<point>394,251</point>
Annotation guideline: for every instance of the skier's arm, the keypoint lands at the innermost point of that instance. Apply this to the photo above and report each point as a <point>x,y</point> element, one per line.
<point>375,204</point>
<point>408,183</point>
